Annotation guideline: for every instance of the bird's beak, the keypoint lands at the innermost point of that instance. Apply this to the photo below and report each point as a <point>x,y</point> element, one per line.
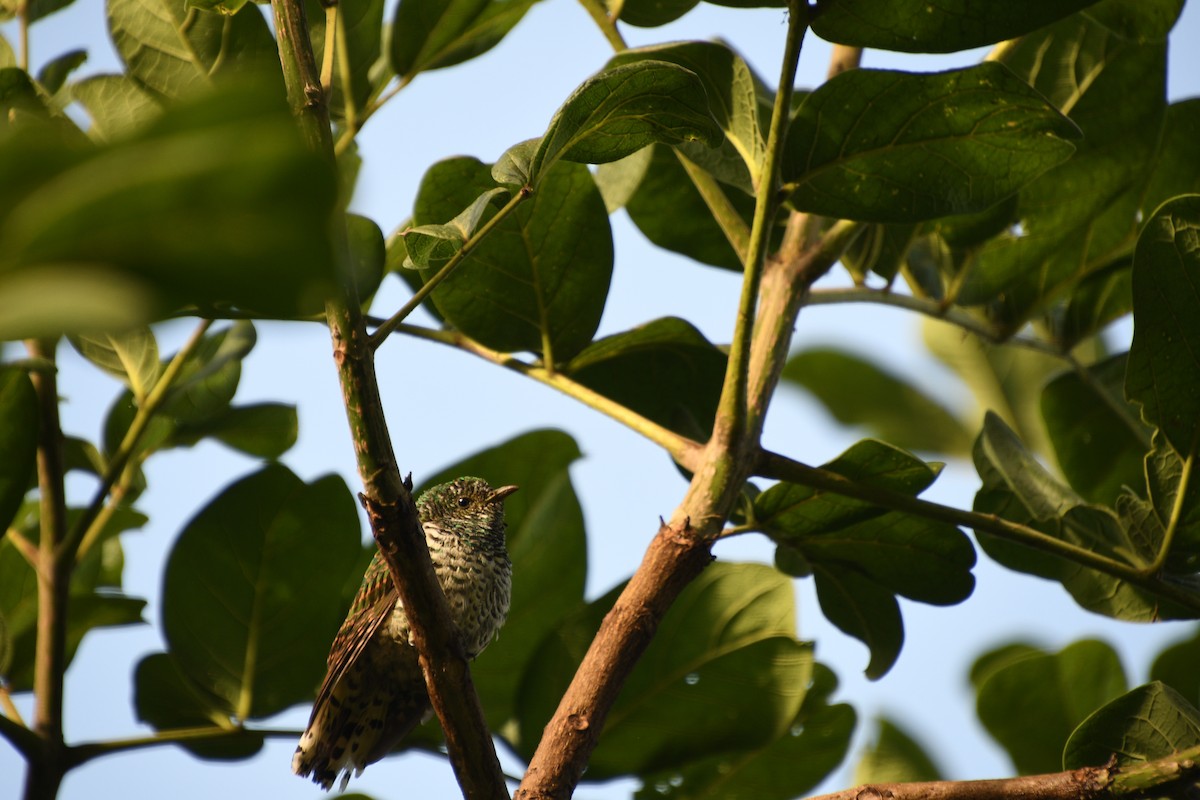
<point>502,492</point>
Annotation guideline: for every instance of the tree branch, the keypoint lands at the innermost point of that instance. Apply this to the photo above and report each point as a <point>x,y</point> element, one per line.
<point>1176,775</point>
<point>389,504</point>
<point>47,766</point>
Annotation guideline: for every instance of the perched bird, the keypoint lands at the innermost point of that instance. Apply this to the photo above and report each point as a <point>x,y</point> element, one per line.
<point>374,693</point>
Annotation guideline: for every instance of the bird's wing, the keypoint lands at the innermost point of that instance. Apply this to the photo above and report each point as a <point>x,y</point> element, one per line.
<point>372,606</point>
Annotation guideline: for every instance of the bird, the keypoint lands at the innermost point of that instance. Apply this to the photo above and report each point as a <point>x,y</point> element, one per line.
<point>374,692</point>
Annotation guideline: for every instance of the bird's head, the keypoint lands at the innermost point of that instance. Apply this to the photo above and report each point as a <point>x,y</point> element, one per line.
<point>468,506</point>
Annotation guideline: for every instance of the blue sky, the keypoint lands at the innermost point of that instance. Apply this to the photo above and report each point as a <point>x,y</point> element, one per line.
<point>463,405</point>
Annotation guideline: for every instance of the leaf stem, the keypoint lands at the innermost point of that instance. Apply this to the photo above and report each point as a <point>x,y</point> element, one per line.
<point>606,23</point>
<point>1185,477</point>
<point>392,322</point>
<point>683,450</point>
<point>88,527</point>
<point>726,216</point>
<point>329,51</point>
<point>82,753</point>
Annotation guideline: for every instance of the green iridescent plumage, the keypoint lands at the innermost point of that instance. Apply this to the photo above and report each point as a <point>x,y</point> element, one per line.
<point>374,692</point>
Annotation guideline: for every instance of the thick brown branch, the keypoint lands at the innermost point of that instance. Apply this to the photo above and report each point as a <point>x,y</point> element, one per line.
<point>1177,775</point>
<point>675,557</point>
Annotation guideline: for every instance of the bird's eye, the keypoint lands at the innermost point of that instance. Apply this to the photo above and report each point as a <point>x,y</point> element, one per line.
<point>463,502</point>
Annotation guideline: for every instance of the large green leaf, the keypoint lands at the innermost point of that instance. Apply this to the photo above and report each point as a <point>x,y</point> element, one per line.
<point>1082,215</point>
<point>723,673</point>
<point>894,757</point>
<point>730,87</point>
<point>1098,438</point>
<point>431,34</point>
<point>652,13</point>
<point>173,50</point>
<point>253,585</point>
<point>1164,359</point>
<point>538,282</point>
<point>858,392</point>
<point>18,440</point>
<point>1102,297</point>
<point>117,104</point>
<point>862,555</point>
<point>1030,705</point>
<point>264,430</point>
<point>176,217</point>
<point>669,211</point>
<point>914,26</point>
<point>129,356</point>
<point>623,109</point>
<point>790,766</point>
<point>1148,723</point>
<point>548,547</point>
<point>1166,479</point>
<point>886,146</point>
<point>665,370</point>
<point>166,698</point>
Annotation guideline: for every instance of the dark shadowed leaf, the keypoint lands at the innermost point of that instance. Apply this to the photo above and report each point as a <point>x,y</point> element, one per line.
<point>1031,705</point>
<point>431,34</point>
<point>886,146</point>
<point>1176,667</point>
<point>539,281</point>
<point>881,249</point>
<point>1165,477</point>
<point>723,673</point>
<point>1104,296</point>
<point>166,698</point>
<point>665,370</point>
<point>1164,359</point>
<point>54,74</point>
<point>894,757</point>
<point>914,26</point>
<point>367,254</point>
<point>861,608</point>
<point>548,547</point>
<point>1098,437</point>
<point>263,430</point>
<point>621,110</point>
<point>806,753</point>
<point>858,392</point>
<point>1151,722</point>
<point>18,440</point>
<point>253,589</point>
<point>652,13</point>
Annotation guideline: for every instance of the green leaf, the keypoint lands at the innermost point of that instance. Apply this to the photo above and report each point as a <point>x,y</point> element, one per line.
<point>431,34</point>
<point>1083,214</point>
<point>1176,667</point>
<point>116,103</point>
<point>912,26</point>
<point>368,254</point>
<point>264,430</point>
<point>172,51</point>
<point>18,441</point>
<point>18,609</point>
<point>1098,438</point>
<point>652,13</point>
<point>790,766</point>
<point>253,585</point>
<point>621,110</point>
<point>1175,168</point>
<point>729,85</point>
<point>723,673</point>
<point>1148,723</point>
<point>431,246</point>
<point>129,356</point>
<point>664,370</point>
<point>175,217</point>
<point>894,757</point>
<point>618,180</point>
<point>1031,705</point>
<point>886,146</point>
<point>1165,480</point>
<point>669,211</point>
<point>861,608</point>
<point>166,698</point>
<point>857,392</point>
<point>539,280</point>
<point>548,547</point>
<point>54,74</point>
<point>880,249</point>
<point>1164,359</point>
